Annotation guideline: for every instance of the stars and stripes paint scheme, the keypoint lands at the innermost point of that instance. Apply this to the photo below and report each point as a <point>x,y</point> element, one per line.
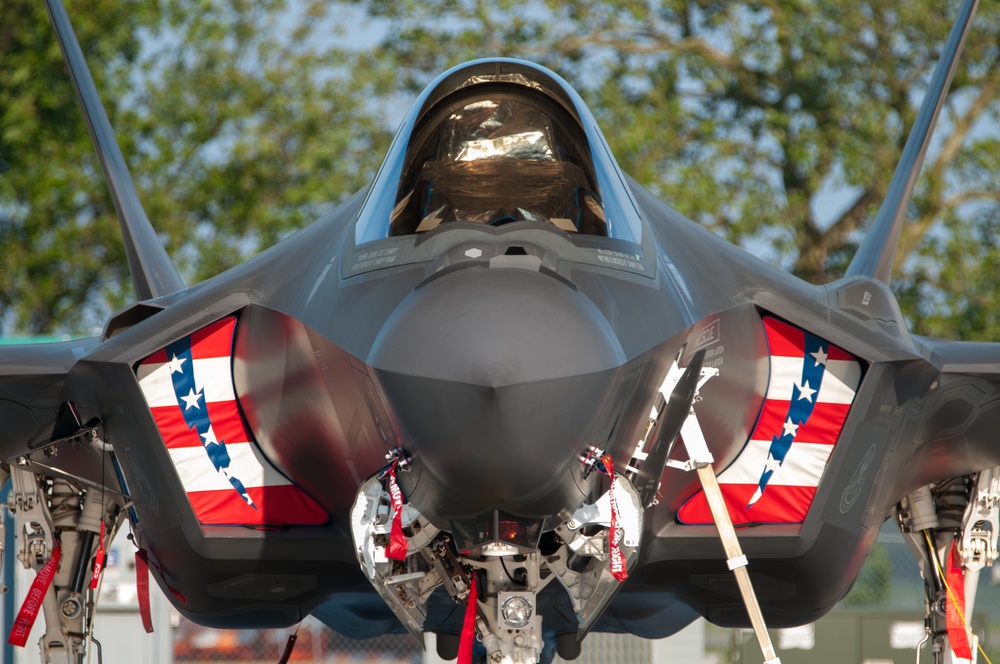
<point>811,388</point>
<point>188,387</point>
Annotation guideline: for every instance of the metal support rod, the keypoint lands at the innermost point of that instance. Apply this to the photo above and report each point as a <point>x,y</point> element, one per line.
<point>701,459</point>
<point>82,565</point>
<point>736,560</point>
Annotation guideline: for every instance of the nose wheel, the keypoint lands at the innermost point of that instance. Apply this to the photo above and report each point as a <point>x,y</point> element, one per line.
<point>498,584</point>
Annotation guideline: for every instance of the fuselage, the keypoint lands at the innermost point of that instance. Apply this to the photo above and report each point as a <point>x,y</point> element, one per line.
<point>494,354</point>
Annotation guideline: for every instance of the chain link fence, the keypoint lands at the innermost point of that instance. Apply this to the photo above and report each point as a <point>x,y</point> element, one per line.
<point>318,644</point>
<point>315,643</point>
<point>880,620</point>
<point>887,598</point>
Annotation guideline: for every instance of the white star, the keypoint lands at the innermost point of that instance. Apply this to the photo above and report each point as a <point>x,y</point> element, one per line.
<point>791,428</point>
<point>806,392</point>
<point>175,364</point>
<point>772,464</point>
<point>191,400</point>
<point>209,436</point>
<point>820,356</point>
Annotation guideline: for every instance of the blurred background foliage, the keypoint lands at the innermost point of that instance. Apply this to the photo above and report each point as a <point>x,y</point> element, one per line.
<point>777,124</point>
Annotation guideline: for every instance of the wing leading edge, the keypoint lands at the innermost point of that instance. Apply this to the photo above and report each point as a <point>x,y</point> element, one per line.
<point>31,386</point>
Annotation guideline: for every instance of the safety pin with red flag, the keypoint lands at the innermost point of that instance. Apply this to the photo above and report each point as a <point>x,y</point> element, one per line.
<point>618,568</point>
<point>398,544</point>
<point>99,561</point>
<point>33,600</point>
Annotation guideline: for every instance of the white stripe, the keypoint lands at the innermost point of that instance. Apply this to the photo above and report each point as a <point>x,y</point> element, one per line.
<point>211,375</point>
<point>839,380</point>
<point>803,465</point>
<point>198,474</point>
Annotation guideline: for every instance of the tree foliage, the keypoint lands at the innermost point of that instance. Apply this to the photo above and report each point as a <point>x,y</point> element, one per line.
<point>57,232</point>
<point>241,121</point>
<point>873,586</point>
<point>775,123</point>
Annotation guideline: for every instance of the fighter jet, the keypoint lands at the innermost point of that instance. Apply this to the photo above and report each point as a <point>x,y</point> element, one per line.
<point>503,395</point>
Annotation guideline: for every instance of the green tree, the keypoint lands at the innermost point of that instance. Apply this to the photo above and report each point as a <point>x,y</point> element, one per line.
<point>240,120</point>
<point>57,228</point>
<point>872,588</point>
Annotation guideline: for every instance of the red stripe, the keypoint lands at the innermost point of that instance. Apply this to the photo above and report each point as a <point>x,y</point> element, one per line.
<point>33,600</point>
<point>789,341</point>
<point>159,357</point>
<point>142,590</point>
<point>835,353</point>
<point>280,505</point>
<point>779,504</point>
<point>283,504</point>
<point>215,340</point>
<point>173,429</point>
<point>822,427</point>
<point>226,422</point>
<point>783,339</point>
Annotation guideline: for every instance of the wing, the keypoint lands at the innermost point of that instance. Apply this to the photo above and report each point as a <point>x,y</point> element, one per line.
<point>972,358</point>
<point>32,377</point>
<point>959,418</point>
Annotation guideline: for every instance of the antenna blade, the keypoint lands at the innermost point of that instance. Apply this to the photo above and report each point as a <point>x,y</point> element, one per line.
<point>153,273</point>
<point>877,253</point>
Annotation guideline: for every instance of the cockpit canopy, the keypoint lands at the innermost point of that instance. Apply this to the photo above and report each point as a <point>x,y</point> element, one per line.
<point>498,154</point>
<point>497,142</point>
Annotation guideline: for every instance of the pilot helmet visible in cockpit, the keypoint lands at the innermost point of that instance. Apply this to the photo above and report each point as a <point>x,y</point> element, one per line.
<point>499,157</point>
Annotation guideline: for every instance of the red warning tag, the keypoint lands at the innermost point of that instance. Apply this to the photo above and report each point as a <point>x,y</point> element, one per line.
<point>98,561</point>
<point>397,540</point>
<point>142,590</point>
<point>615,534</point>
<point>958,634</point>
<point>33,601</point>
<point>468,637</point>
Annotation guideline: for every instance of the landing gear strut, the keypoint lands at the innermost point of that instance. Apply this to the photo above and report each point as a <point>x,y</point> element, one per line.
<point>951,529</point>
<point>61,526</point>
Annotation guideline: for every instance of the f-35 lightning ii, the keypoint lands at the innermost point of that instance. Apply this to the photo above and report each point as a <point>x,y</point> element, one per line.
<point>504,395</point>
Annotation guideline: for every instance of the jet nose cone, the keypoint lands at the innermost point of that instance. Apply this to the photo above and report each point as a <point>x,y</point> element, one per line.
<point>499,377</point>
<point>496,327</point>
